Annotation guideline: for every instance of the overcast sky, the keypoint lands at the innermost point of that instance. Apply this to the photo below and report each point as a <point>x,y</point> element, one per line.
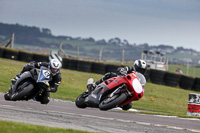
<point>170,22</point>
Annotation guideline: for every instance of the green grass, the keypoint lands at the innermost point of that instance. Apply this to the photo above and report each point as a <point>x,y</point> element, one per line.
<point>158,98</point>
<point>10,127</point>
<point>168,100</point>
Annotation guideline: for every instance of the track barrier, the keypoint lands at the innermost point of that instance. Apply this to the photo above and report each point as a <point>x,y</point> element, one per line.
<point>84,66</point>
<point>171,79</point>
<point>73,64</point>
<point>186,82</point>
<point>40,57</point>
<point>25,56</point>
<point>196,86</point>
<point>157,76</point>
<point>1,52</point>
<point>10,54</point>
<point>147,74</point>
<point>111,68</point>
<point>99,68</point>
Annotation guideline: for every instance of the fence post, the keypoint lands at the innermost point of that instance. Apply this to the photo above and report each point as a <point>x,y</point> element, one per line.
<point>100,54</point>
<point>122,57</point>
<point>167,64</point>
<point>142,56</point>
<point>9,42</point>
<point>193,70</point>
<point>61,53</point>
<point>12,40</point>
<point>77,52</point>
<point>187,68</point>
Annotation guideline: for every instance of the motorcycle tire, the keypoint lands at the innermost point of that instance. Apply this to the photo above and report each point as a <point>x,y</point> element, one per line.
<point>20,94</point>
<point>80,100</point>
<point>104,105</point>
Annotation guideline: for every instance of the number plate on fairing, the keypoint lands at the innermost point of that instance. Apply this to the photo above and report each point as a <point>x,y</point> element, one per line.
<point>44,75</point>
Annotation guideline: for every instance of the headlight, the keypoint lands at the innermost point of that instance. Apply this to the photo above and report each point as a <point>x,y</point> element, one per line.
<point>137,86</point>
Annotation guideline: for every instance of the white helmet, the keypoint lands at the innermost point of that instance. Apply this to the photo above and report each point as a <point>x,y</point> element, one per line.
<point>55,66</point>
<point>140,66</point>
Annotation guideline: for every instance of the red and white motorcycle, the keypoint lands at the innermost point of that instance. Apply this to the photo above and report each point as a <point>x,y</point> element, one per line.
<point>114,92</point>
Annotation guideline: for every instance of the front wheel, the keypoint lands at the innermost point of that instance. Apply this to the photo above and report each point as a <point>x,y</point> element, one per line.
<point>80,100</point>
<point>21,93</point>
<point>112,102</point>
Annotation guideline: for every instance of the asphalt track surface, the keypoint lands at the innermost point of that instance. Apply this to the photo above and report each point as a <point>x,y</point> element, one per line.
<point>65,114</point>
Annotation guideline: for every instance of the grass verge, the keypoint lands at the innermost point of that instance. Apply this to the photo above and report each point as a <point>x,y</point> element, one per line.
<point>18,127</point>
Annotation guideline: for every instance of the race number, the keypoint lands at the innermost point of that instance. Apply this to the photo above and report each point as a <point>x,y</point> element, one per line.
<point>46,73</point>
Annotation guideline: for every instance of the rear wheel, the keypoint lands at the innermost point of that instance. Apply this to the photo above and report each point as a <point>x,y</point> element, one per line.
<point>112,102</point>
<point>80,100</point>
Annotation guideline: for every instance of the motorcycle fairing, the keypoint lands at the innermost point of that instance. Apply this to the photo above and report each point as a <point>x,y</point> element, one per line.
<point>132,83</point>
<point>44,75</point>
<point>94,98</point>
<point>134,86</point>
<point>24,75</point>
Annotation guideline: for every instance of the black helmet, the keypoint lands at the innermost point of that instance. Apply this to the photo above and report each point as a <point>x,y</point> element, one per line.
<point>55,66</point>
<point>140,66</point>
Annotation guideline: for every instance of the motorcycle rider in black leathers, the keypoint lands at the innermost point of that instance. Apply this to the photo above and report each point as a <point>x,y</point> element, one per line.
<point>54,65</point>
<point>138,66</point>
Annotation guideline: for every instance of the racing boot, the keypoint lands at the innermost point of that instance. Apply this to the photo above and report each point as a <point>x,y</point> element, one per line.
<point>91,85</point>
<point>127,106</point>
<point>7,94</point>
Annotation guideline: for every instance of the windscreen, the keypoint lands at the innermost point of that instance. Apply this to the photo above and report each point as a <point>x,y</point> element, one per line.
<point>141,79</point>
<point>44,75</point>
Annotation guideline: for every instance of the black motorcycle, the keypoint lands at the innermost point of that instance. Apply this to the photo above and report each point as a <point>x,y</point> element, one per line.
<point>29,85</point>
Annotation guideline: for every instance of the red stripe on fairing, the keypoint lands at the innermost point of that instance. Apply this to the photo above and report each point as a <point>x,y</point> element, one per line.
<point>193,108</point>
